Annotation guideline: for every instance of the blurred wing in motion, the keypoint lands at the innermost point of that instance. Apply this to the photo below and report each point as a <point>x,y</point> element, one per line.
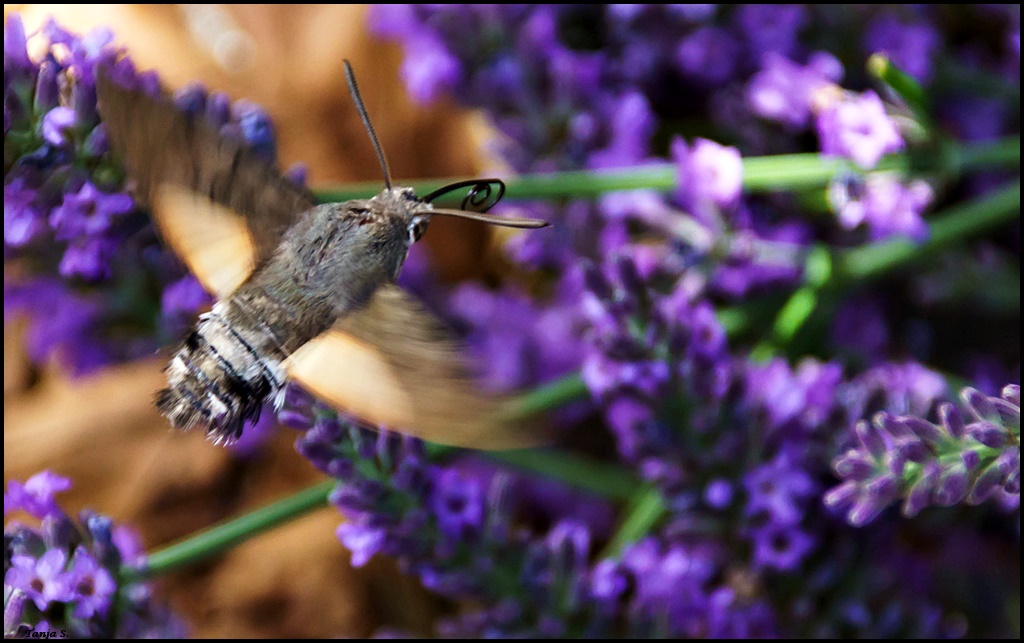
<point>194,180</point>
<point>392,363</point>
<point>213,240</point>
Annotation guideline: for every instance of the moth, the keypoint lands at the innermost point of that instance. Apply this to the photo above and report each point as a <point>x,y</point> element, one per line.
<point>303,291</point>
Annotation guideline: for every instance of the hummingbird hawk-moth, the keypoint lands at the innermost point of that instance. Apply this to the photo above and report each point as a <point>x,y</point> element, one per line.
<point>303,291</point>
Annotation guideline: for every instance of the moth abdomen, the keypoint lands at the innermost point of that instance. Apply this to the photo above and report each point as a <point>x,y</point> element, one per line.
<point>219,378</point>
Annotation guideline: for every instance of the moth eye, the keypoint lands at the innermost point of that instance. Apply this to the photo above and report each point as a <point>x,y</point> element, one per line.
<point>416,230</point>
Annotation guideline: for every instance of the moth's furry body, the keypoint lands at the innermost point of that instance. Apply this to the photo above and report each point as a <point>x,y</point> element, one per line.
<point>304,292</point>
<point>231,363</point>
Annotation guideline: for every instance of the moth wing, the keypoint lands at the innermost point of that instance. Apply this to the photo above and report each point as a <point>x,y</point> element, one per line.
<point>213,239</point>
<point>194,179</point>
<point>392,363</point>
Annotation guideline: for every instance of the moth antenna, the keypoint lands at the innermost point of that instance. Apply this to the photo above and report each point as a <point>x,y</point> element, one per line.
<point>508,222</point>
<point>357,98</point>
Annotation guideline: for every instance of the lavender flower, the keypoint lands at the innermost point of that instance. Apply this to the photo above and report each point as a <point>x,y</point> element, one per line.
<point>42,580</point>
<point>857,127</point>
<point>63,575</point>
<point>709,174</point>
<point>885,206</point>
<point>907,457</point>
<point>784,91</point>
<point>455,533</point>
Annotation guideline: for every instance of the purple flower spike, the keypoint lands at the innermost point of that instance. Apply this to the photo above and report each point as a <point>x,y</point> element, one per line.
<point>953,467</point>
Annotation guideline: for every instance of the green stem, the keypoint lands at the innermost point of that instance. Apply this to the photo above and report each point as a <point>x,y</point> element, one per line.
<point>1002,153</point>
<point>608,480</point>
<point>212,541</point>
<point>760,174</point>
<point>549,396</point>
<point>905,85</point>
<point>645,512</point>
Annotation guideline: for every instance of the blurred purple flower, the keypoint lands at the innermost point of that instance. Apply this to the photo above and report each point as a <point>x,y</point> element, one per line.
<point>784,91</point>
<point>911,45</point>
<point>771,28</point>
<point>362,541</point>
<point>718,493</point>
<point>56,125</point>
<point>23,220</point>
<point>632,124</point>
<point>183,298</point>
<point>708,55</point>
<point>857,127</point>
<point>91,586</point>
<point>777,491</point>
<point>36,495</point>
<point>885,206</point>
<point>393,20</point>
<point>860,327</point>
<point>457,503</point>
<point>806,395</point>
<point>88,259</point>
<point>710,175</point>
<point>904,388</point>
<point>781,548</point>
<point>429,69</point>
<point>88,212</point>
<point>256,129</point>
<point>516,341</point>
<point>43,580</point>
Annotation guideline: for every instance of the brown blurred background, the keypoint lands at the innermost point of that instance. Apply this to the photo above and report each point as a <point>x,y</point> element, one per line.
<point>103,432</point>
